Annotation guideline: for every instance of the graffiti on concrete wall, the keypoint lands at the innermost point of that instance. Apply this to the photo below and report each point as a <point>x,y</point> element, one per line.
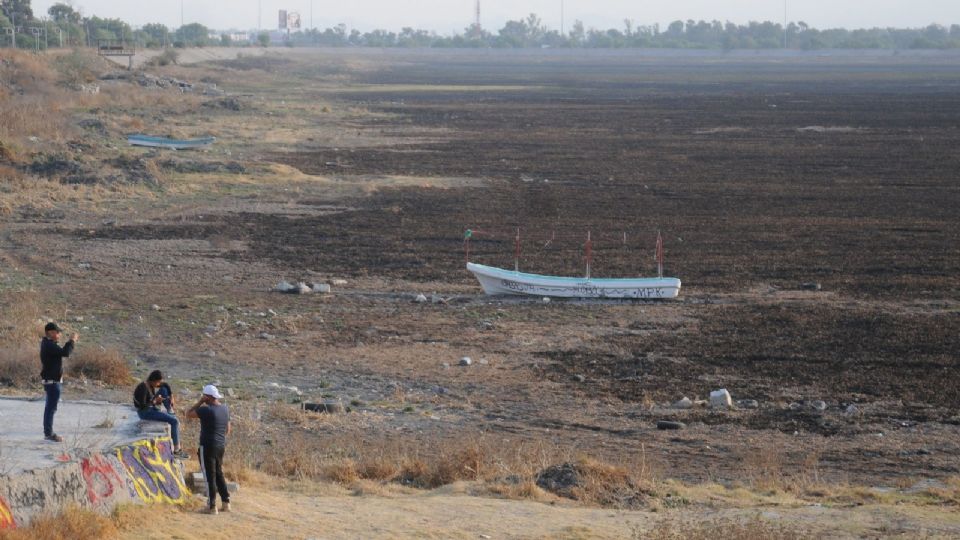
<point>101,478</point>
<point>151,468</point>
<point>6,517</point>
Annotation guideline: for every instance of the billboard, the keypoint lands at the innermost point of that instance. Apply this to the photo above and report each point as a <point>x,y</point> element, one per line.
<point>283,20</point>
<point>293,20</point>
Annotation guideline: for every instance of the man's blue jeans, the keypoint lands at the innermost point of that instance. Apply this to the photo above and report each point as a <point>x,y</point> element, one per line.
<point>53,398</point>
<point>160,416</point>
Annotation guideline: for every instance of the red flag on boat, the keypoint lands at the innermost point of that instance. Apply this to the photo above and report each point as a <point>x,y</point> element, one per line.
<point>588,253</point>
<point>659,255</point>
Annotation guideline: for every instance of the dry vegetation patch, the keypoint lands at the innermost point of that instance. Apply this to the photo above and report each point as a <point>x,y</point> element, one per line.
<point>73,523</point>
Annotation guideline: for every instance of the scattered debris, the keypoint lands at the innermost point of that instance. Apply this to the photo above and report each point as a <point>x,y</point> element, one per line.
<point>155,307</point>
<point>465,361</point>
<point>559,479</point>
<point>818,405</point>
<point>93,124</point>
<point>420,299</point>
<point>580,378</point>
<point>748,404</point>
<point>338,282</point>
<point>288,288</point>
<point>810,286</point>
<point>721,399</point>
<point>226,103</point>
<point>187,166</point>
<point>321,287</point>
<point>331,407</point>
<point>266,336</point>
<point>669,424</point>
<point>683,403</point>
<point>851,410</point>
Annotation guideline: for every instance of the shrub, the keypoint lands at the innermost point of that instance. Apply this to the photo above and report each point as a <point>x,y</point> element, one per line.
<point>76,68</point>
<point>19,366</point>
<point>167,57</point>
<point>73,523</point>
<point>107,366</point>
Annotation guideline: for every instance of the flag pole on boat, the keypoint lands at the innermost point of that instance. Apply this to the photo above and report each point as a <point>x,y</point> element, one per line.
<point>588,249</point>
<point>516,252</point>
<point>659,255</point>
<point>466,244</point>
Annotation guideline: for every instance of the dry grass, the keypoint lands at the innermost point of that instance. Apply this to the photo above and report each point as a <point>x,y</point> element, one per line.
<point>508,468</point>
<point>105,365</point>
<point>755,528</point>
<point>20,331</point>
<point>767,468</point>
<point>19,366</point>
<point>73,523</point>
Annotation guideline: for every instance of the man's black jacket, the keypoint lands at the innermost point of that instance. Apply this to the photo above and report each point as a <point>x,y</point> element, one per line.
<point>51,356</point>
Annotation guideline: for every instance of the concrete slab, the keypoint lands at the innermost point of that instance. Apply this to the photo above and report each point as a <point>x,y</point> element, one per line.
<point>88,427</point>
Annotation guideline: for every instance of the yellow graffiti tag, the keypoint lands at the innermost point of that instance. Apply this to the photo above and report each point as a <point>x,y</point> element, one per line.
<point>154,475</point>
<point>6,518</point>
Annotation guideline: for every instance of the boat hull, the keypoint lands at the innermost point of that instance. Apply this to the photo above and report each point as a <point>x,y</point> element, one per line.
<point>497,281</point>
<point>175,144</point>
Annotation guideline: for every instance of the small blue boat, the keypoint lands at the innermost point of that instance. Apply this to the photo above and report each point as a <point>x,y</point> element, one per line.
<point>174,144</point>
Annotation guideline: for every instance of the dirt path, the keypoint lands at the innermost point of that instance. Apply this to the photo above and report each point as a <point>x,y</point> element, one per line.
<point>451,513</point>
<point>439,514</point>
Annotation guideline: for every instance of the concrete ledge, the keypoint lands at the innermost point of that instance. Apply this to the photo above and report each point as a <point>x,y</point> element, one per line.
<point>153,428</point>
<point>136,467</point>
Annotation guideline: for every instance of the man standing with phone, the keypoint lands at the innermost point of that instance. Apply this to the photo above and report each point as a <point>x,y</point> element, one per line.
<point>214,428</point>
<point>51,374</point>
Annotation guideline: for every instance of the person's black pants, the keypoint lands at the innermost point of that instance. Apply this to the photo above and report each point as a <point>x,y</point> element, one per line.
<point>50,408</point>
<point>211,463</point>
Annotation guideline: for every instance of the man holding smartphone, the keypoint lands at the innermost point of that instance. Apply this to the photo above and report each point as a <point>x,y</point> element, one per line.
<point>51,374</point>
<point>214,428</point>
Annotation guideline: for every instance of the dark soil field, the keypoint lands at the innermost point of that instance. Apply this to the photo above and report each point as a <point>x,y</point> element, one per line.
<point>764,175</point>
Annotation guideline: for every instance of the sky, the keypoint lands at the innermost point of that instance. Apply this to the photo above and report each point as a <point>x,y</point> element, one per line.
<point>448,16</point>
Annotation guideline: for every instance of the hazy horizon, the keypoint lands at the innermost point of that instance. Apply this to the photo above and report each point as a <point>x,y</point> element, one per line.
<point>446,16</point>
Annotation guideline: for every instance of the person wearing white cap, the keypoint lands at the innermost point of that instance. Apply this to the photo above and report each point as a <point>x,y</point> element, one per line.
<point>214,428</point>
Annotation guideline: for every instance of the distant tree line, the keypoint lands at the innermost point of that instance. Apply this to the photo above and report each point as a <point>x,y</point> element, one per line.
<point>531,32</point>
<point>63,21</point>
<point>76,30</point>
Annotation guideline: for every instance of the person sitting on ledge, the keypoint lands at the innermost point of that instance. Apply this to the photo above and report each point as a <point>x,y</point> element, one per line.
<point>166,393</point>
<point>147,401</point>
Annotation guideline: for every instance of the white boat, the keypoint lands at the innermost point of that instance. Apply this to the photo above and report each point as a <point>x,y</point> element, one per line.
<point>497,281</point>
<point>165,142</point>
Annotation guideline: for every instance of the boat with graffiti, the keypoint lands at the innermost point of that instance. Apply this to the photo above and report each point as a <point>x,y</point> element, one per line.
<point>173,144</point>
<point>498,281</point>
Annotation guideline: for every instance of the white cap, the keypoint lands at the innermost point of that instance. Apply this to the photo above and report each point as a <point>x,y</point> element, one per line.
<point>211,390</point>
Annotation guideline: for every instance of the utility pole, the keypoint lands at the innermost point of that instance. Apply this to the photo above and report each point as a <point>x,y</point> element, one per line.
<point>476,19</point>
<point>784,24</point>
